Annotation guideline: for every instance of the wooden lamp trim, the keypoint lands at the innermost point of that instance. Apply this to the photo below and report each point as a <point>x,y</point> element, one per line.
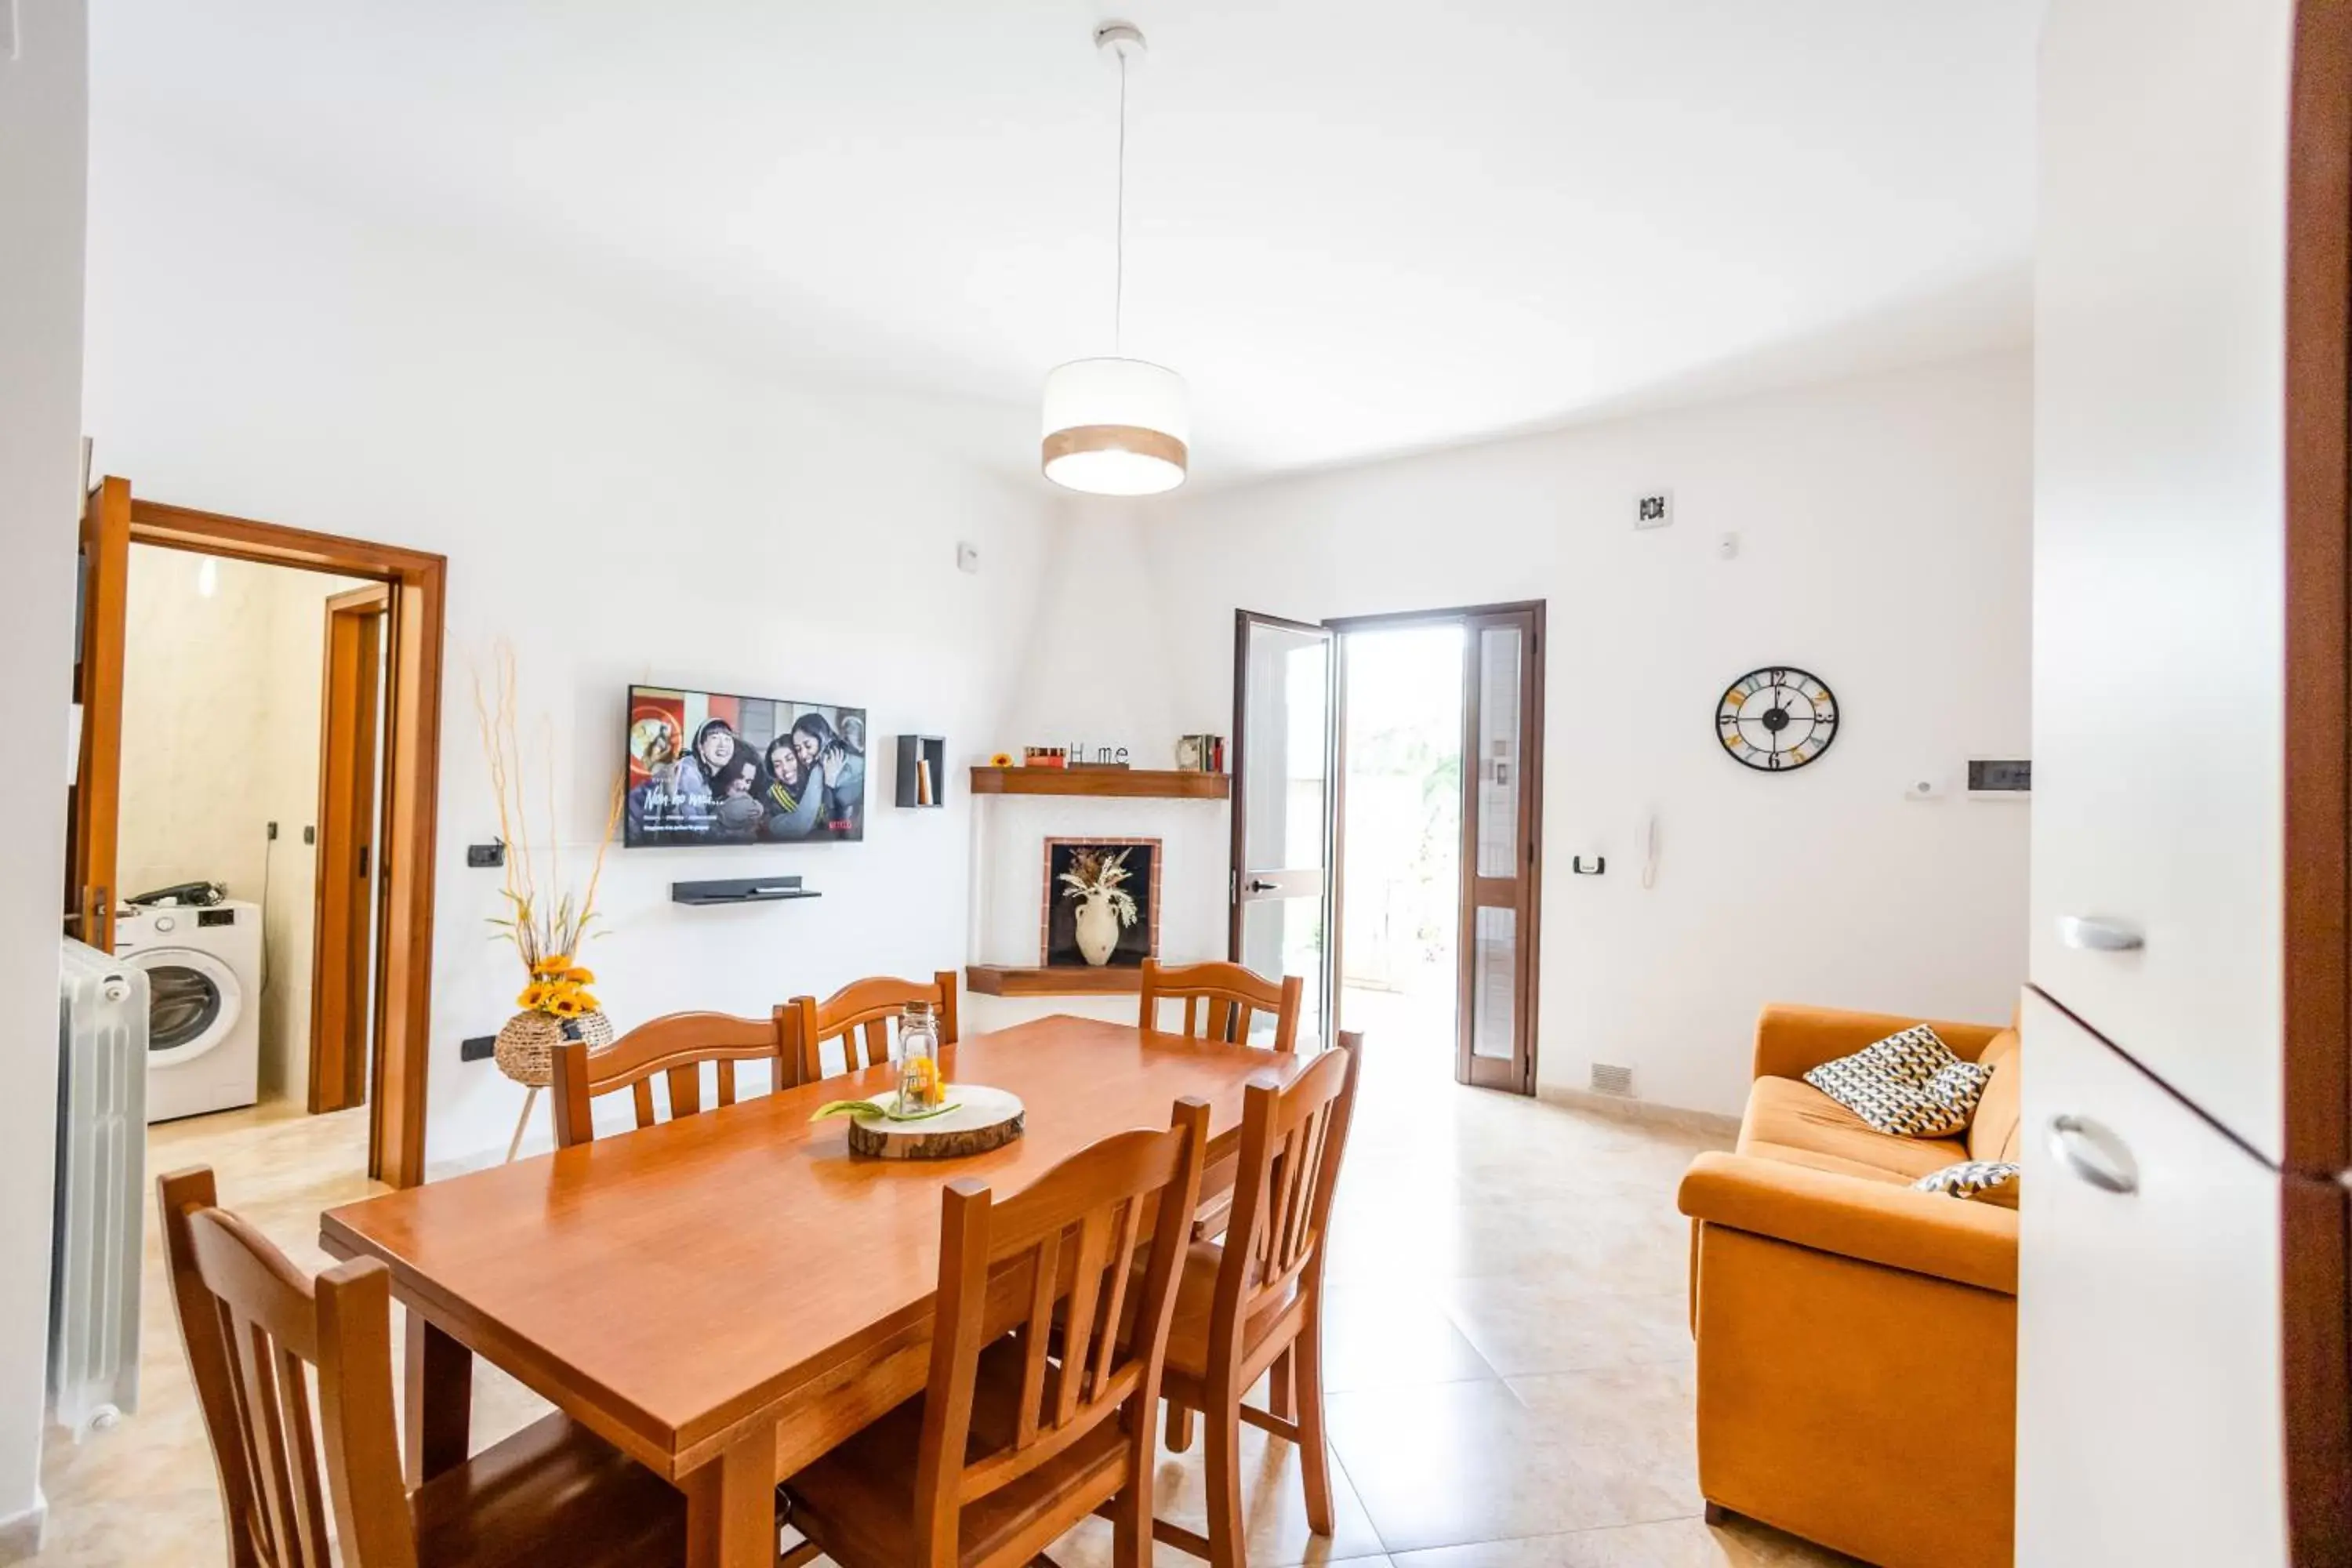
<point>1134,439</point>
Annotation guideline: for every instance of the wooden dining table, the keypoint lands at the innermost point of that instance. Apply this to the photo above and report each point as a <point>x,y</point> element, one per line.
<point>727,1296</point>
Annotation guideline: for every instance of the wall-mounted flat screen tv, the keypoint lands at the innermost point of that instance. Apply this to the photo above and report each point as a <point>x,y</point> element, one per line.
<point>705,767</point>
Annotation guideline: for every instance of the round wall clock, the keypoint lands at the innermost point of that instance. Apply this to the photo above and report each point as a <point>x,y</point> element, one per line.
<point>1777,719</point>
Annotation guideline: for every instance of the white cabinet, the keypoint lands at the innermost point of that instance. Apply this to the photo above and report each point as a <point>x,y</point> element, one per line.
<point>2159,537</point>
<point>2150,1422</point>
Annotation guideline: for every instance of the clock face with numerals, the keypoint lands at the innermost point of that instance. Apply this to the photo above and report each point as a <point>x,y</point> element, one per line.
<point>1777,719</point>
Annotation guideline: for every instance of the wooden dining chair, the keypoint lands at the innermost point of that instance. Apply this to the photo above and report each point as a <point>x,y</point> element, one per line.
<point>258,1331</point>
<point>1254,1305</point>
<point>1221,1000</point>
<point>859,1013</point>
<point>1018,1437</point>
<point>674,1047</point>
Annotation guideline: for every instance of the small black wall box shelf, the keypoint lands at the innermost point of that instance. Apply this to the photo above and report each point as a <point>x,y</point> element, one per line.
<point>740,891</point>
<point>920,755</point>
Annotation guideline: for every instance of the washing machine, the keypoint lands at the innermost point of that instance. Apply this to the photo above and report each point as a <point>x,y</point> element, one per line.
<point>203,965</point>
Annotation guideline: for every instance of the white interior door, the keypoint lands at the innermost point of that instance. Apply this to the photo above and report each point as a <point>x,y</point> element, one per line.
<point>1284,711</point>
<point>2151,1420</point>
<point>2160,539</point>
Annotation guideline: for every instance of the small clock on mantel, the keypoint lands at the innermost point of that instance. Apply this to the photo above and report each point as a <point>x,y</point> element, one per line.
<point>1777,719</point>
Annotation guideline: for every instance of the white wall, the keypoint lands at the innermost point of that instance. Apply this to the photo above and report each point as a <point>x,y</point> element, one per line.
<point>1884,539</point>
<point>617,502</point>
<point>44,124</point>
<point>221,707</point>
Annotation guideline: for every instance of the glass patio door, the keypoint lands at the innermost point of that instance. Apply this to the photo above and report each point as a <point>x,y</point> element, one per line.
<point>1502,753</point>
<point>1282,765</point>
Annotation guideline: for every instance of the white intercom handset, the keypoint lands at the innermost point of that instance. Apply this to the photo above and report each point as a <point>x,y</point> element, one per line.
<point>1650,850</point>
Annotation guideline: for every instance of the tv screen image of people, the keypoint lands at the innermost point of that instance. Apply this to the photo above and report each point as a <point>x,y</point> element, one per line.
<point>710,768</point>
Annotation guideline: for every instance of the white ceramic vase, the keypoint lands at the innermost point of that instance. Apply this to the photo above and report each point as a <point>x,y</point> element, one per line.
<point>1098,930</point>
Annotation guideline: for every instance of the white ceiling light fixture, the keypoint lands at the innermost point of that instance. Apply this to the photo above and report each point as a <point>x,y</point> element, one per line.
<point>1117,427</point>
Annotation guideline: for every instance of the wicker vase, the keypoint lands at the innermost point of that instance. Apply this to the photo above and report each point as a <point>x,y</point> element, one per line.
<point>526,1049</point>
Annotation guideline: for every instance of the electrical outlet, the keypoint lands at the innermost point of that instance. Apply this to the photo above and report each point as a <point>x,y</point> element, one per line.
<point>480,1048</point>
<point>1655,509</point>
<point>1616,1081</point>
<point>309,833</point>
<point>481,856</point>
<point>273,833</point>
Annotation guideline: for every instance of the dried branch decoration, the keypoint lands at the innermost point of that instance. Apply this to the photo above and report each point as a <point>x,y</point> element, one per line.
<point>545,922</point>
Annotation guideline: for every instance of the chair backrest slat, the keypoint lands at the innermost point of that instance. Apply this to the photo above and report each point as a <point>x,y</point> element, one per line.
<point>859,1014</point>
<point>1293,1139</point>
<point>1227,998</point>
<point>1075,1233</point>
<point>258,1334</point>
<point>674,1048</point>
<point>1123,1246</point>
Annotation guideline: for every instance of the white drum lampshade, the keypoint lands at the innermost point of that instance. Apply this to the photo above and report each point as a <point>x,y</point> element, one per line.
<point>1115,427</point>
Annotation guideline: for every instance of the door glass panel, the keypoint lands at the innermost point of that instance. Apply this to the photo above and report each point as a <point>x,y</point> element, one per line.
<point>1281,936</point>
<point>1494,973</point>
<point>1285,749</point>
<point>182,1004</point>
<point>1282,882</point>
<point>1498,752</point>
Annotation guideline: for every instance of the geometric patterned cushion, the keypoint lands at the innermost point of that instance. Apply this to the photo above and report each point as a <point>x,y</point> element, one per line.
<point>1993,1181</point>
<point>1909,1084</point>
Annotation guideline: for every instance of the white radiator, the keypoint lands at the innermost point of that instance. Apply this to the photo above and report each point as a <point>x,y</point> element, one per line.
<point>95,1250</point>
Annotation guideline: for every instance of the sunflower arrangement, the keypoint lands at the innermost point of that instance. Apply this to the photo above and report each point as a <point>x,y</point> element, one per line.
<point>544,919</point>
<point>559,988</point>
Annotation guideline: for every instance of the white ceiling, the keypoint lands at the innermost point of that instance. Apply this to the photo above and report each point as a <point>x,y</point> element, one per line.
<point>1356,227</point>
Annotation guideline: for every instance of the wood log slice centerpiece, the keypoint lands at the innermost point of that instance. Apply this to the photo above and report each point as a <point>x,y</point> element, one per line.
<point>984,1119</point>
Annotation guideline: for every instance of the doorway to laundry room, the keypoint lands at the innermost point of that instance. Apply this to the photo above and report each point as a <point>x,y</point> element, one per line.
<point>252,812</point>
<point>251,740</point>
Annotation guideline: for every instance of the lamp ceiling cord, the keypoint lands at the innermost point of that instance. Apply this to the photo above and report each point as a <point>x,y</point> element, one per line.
<point>1118,240</point>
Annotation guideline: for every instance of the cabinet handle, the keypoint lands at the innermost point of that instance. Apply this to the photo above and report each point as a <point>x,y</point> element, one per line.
<point>2082,932</point>
<point>1260,885</point>
<point>2093,1153</point>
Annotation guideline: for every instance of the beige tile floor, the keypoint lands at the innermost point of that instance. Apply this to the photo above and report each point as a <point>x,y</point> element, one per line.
<point>1510,1370</point>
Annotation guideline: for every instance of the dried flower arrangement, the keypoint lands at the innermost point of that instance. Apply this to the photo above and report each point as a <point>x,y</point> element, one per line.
<point>1094,875</point>
<point>546,931</point>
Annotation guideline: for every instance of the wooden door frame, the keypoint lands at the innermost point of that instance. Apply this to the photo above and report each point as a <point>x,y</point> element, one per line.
<point>332,946</point>
<point>412,769</point>
<point>2315,1252</point>
<point>1530,799</point>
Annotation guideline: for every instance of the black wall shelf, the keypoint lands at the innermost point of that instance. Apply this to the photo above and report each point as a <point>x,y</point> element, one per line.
<point>914,752</point>
<point>740,891</point>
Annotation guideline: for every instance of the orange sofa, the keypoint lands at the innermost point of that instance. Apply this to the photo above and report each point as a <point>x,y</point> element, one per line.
<point>1857,1341</point>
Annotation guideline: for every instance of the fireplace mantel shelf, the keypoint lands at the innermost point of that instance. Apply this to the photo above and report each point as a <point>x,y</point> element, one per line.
<point>1061,980</point>
<point>1166,783</point>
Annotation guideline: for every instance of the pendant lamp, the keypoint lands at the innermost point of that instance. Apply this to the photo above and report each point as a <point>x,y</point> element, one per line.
<point>1115,426</point>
